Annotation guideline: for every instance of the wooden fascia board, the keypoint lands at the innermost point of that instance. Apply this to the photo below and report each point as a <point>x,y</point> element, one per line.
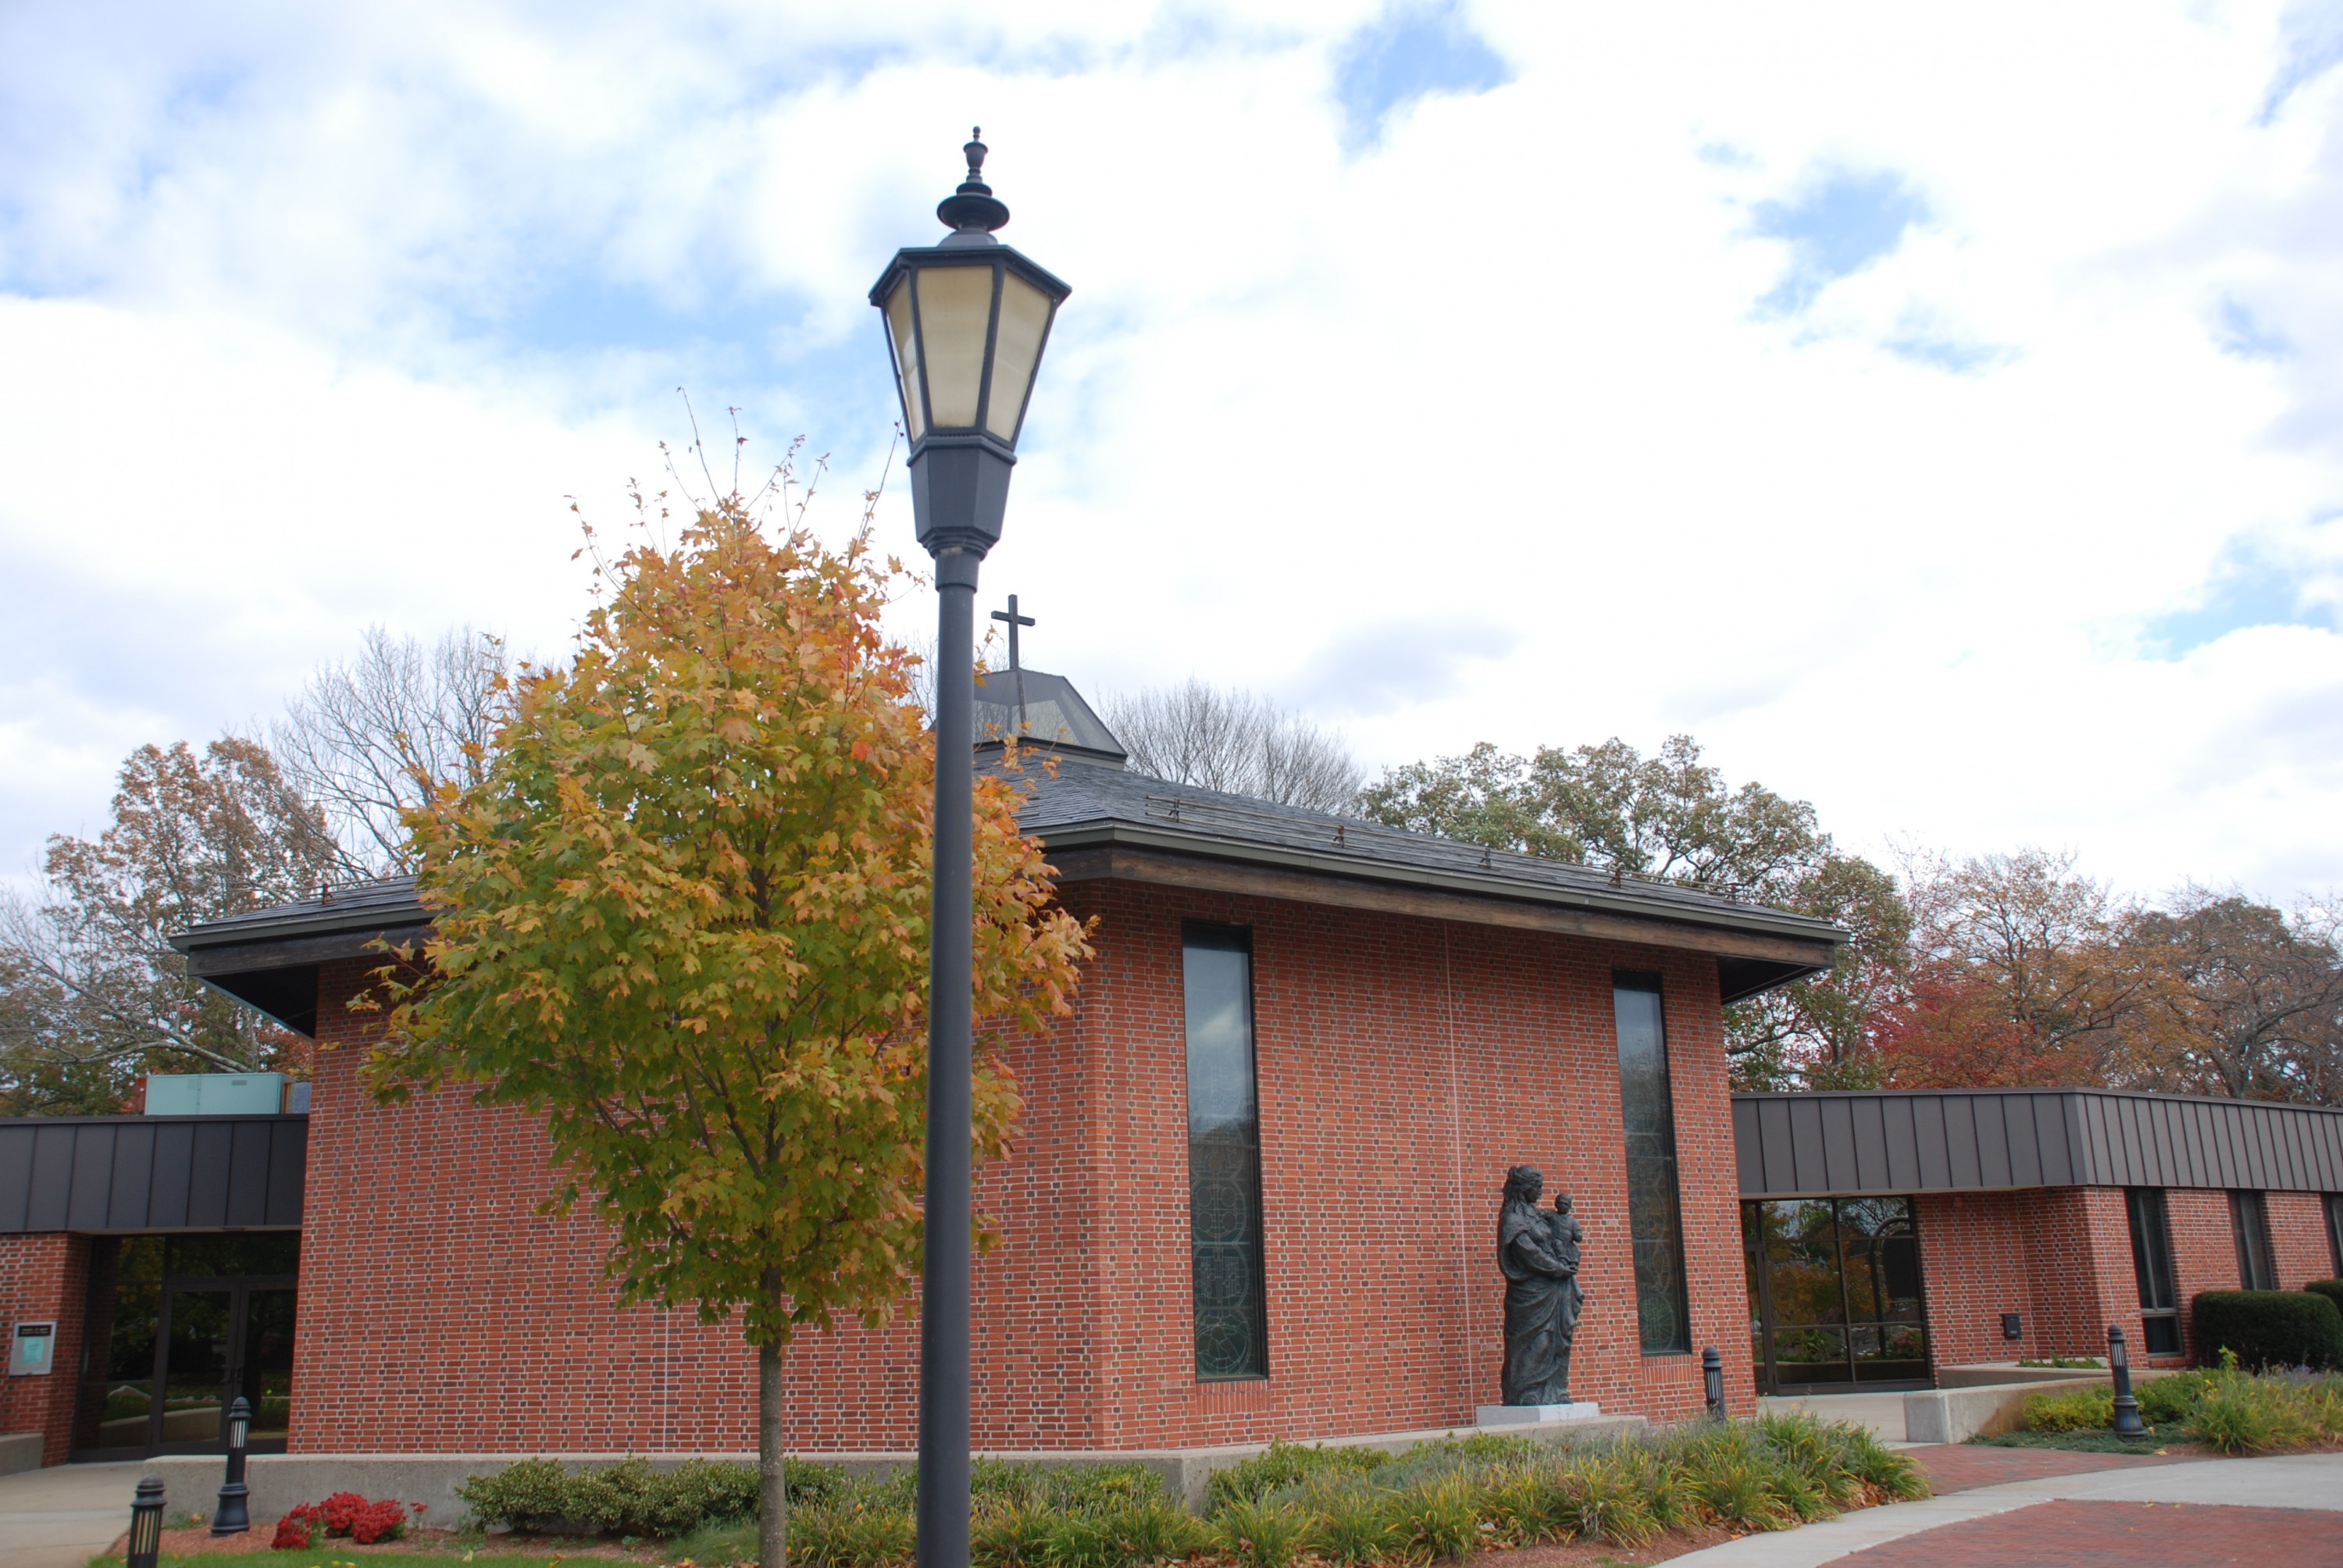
<point>1170,868</point>
<point>293,952</point>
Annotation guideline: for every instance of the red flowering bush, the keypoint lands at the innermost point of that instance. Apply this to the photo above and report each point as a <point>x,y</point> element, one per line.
<point>343,1513</point>
<point>383,1520</point>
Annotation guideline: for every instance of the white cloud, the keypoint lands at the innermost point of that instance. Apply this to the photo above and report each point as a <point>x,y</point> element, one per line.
<point>318,317</point>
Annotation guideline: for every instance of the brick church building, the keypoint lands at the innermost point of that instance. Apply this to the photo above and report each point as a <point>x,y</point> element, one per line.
<point>1254,1193</point>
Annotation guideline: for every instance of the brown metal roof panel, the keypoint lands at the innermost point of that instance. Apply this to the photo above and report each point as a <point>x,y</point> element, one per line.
<point>134,1177</point>
<point>1990,1114</point>
<point>288,1172</point>
<point>1773,1125</point>
<point>93,1177</point>
<point>208,1174</point>
<point>1841,1168</point>
<point>1871,1144</point>
<point>1903,1144</point>
<point>52,1148</point>
<point>1807,1146</point>
<point>16,1176</point>
<point>2019,1127</point>
<point>1961,1139</point>
<point>248,1174</point>
<point>1748,1147</point>
<point>1929,1142</point>
<point>175,1160</point>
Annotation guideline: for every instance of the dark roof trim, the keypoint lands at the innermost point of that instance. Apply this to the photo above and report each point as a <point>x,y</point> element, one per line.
<point>1759,959</point>
<point>1986,1139</point>
<point>125,1174</point>
<point>1711,914</point>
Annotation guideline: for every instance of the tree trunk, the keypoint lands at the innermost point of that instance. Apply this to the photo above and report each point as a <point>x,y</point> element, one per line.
<point>772,1488</point>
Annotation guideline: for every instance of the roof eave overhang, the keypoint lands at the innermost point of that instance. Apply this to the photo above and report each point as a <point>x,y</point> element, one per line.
<point>1765,946</point>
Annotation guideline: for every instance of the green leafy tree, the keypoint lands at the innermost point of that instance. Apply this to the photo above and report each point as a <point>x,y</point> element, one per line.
<point>91,992</point>
<point>1671,817</point>
<point>682,915</point>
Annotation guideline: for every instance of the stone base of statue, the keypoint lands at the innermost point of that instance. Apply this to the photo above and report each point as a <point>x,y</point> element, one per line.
<point>1536,1414</point>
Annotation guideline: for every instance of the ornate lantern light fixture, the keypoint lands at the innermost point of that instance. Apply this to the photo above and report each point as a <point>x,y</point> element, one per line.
<point>967,321</point>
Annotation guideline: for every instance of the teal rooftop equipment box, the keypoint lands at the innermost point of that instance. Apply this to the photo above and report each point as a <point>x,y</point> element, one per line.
<point>215,1093</point>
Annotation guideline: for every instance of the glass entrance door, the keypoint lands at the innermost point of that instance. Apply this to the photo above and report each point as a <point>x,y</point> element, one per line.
<point>1835,1294</point>
<point>178,1327</point>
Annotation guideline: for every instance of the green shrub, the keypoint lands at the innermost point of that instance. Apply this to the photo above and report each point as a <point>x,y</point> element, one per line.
<point>630,1498</point>
<point>2331,1288</point>
<point>2071,1410</point>
<point>850,1533</point>
<point>2167,1399</point>
<point>1350,1526</point>
<point>1286,1465</point>
<point>1438,1517</point>
<point>1260,1534</point>
<point>1602,1503</point>
<point>2269,1328</point>
<point>1006,1532</point>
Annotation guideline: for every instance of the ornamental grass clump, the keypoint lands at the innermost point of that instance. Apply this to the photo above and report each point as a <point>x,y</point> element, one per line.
<point>1261,1535</point>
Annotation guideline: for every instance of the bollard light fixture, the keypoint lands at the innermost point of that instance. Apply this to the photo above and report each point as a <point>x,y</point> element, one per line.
<point>2127,1422</point>
<point>145,1523</point>
<point>234,1514</point>
<point>966,321</point>
<point>1711,1378</point>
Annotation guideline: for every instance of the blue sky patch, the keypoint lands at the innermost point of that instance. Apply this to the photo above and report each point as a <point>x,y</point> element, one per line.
<point>2314,46</point>
<point>2242,335</point>
<point>1410,52</point>
<point>1938,352</point>
<point>1838,226</point>
<point>2248,588</point>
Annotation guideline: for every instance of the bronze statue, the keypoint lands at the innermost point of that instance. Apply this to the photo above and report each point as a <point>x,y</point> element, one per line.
<point>1538,1254</point>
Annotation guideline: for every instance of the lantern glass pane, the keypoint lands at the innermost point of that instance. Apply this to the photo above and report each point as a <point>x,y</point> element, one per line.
<point>955,312</point>
<point>906,344</point>
<point>1024,317</point>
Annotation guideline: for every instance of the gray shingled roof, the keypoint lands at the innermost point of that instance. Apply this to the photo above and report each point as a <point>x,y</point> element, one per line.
<point>1087,802</point>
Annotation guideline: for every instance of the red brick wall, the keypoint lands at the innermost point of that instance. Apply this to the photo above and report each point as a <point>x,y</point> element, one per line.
<point>1404,1064</point>
<point>2060,1257</point>
<point>43,1278</point>
<point>2298,1243</point>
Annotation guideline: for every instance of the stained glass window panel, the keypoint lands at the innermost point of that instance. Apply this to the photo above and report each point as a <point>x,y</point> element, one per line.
<point>1655,1213</point>
<point>1224,1156</point>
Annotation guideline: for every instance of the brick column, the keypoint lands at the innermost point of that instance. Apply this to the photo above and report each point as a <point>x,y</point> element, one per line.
<point>44,1278</point>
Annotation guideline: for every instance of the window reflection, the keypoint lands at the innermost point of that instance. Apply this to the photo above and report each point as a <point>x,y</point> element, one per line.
<point>1231,1301</point>
<point>1835,1290</point>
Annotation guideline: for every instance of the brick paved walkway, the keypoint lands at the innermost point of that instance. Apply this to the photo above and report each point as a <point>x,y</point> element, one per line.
<point>1958,1466</point>
<point>2084,1534</point>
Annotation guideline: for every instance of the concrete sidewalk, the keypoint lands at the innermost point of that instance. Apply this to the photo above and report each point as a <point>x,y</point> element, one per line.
<point>2288,1481</point>
<point>62,1517</point>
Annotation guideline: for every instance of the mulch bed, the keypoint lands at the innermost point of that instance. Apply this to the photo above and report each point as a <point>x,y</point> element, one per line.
<point>200,1541</point>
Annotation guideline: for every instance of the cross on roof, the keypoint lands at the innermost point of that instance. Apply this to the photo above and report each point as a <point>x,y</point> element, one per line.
<point>1014,620</point>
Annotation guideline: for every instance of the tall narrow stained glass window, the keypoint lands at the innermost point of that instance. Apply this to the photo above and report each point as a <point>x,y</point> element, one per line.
<point>1655,1212</point>
<point>2151,1267</point>
<point>1225,1155</point>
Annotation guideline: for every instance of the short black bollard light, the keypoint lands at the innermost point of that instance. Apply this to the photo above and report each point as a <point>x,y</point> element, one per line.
<point>147,1523</point>
<point>1712,1376</point>
<point>234,1514</point>
<point>2127,1422</point>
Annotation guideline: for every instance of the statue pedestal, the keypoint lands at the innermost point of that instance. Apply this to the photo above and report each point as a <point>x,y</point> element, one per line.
<point>1536,1414</point>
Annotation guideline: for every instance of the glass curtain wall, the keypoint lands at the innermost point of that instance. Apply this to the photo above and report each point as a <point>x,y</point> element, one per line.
<point>2151,1263</point>
<point>1654,1210</point>
<point>177,1328</point>
<point>1232,1307</point>
<point>1835,1292</point>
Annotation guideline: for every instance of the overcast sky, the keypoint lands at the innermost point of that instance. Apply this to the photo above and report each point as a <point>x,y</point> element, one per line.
<point>1936,411</point>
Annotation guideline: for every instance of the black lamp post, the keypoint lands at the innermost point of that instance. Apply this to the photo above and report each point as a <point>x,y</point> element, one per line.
<point>145,1523</point>
<point>1712,1379</point>
<point>2127,1422</point>
<point>234,1515</point>
<point>966,322</point>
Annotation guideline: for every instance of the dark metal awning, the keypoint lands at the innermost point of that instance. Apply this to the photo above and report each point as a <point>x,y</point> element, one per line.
<point>142,1173</point>
<point>1955,1140</point>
